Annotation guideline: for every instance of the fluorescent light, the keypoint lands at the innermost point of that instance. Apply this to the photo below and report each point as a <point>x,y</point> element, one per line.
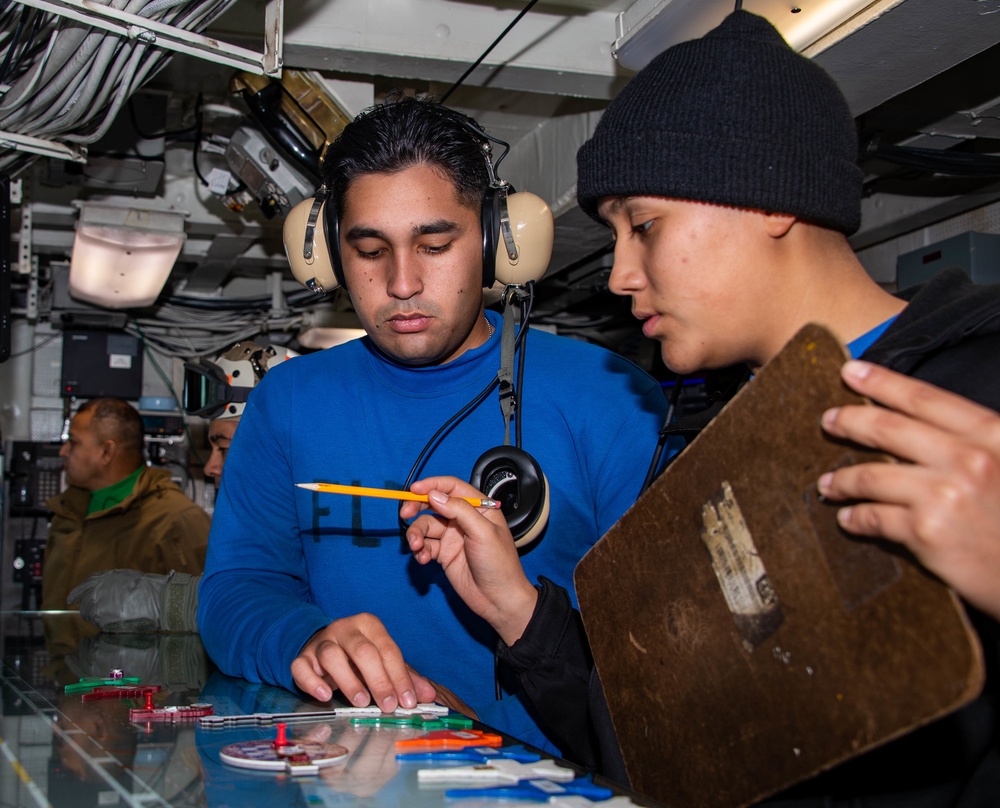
<point>123,256</point>
<point>649,27</point>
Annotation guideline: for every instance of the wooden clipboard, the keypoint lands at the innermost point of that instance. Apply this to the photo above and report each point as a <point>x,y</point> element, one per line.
<point>743,641</point>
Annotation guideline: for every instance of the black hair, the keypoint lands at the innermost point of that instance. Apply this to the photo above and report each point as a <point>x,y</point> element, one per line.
<point>406,131</point>
<point>117,420</point>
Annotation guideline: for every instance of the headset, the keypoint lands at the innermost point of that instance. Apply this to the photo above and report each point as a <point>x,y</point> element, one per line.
<point>512,476</point>
<point>518,233</point>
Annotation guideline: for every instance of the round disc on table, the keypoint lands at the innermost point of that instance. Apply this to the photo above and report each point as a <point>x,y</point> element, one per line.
<point>263,755</point>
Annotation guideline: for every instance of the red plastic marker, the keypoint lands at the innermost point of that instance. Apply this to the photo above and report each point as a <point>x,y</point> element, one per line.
<point>149,713</point>
<point>120,692</point>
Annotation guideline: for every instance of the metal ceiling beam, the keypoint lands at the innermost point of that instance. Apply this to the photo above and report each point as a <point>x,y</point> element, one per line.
<point>133,26</point>
<point>559,48</point>
<point>73,152</point>
<point>907,45</point>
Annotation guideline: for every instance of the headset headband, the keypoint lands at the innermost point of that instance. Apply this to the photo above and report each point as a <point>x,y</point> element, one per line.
<point>518,229</point>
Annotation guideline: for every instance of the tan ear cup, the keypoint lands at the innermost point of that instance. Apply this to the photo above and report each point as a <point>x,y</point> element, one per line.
<point>536,529</point>
<point>304,235</point>
<point>533,229</point>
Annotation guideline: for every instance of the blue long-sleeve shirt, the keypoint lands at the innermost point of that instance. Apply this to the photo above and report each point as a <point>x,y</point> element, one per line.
<point>284,562</point>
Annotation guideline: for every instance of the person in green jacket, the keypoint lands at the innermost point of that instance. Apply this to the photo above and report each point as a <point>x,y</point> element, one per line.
<point>136,600</point>
<point>116,511</point>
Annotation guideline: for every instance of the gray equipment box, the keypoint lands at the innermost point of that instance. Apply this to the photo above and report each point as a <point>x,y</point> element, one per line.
<point>977,253</point>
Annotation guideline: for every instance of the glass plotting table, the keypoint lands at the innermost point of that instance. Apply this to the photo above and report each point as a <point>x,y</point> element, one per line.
<point>59,750</point>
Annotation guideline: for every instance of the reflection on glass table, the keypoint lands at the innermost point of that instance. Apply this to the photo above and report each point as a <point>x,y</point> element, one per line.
<point>62,750</point>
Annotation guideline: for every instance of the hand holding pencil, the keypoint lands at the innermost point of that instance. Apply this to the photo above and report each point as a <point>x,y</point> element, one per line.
<point>476,551</point>
<point>388,493</point>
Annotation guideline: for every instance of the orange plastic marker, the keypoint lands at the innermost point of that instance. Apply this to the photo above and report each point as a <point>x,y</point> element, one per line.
<point>447,739</point>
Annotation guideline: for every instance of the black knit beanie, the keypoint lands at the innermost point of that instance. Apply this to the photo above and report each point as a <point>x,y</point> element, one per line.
<point>735,118</point>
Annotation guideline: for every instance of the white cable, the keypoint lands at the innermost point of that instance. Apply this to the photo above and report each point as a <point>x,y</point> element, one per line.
<point>84,74</point>
<point>66,42</point>
<point>160,5</point>
<point>40,65</point>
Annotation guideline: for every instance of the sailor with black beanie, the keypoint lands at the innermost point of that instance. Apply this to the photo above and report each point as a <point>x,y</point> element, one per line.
<point>735,118</point>
<point>726,172</point>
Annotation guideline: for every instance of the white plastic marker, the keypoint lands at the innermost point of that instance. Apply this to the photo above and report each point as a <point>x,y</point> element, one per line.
<point>497,771</point>
<point>266,719</point>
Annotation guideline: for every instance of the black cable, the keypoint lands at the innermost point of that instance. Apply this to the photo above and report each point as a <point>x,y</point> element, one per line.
<point>13,43</point>
<point>34,348</point>
<point>300,297</point>
<point>166,133</point>
<point>26,53</point>
<point>197,140</point>
<point>475,402</point>
<point>519,387</point>
<point>958,164</point>
<point>486,52</point>
<point>447,425</point>
<point>675,395</point>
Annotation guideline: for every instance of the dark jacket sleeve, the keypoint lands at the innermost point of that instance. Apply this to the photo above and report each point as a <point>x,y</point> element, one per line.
<point>553,663</point>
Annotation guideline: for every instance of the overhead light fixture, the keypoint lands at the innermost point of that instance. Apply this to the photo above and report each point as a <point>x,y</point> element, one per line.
<point>122,256</point>
<point>649,27</point>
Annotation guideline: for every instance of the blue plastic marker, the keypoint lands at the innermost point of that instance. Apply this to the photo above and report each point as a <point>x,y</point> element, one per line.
<point>534,791</point>
<point>476,754</point>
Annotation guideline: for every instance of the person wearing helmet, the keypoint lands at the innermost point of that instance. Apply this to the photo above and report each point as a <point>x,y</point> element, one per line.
<point>128,600</point>
<point>219,390</point>
<point>220,438</point>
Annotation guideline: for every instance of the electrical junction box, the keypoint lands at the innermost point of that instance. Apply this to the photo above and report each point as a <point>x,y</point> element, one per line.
<point>276,184</point>
<point>101,363</point>
<point>977,253</point>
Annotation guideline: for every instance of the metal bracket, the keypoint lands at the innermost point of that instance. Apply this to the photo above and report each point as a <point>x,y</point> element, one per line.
<point>46,148</point>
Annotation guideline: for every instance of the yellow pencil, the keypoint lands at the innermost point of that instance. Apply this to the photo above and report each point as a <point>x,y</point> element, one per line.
<point>387,493</point>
